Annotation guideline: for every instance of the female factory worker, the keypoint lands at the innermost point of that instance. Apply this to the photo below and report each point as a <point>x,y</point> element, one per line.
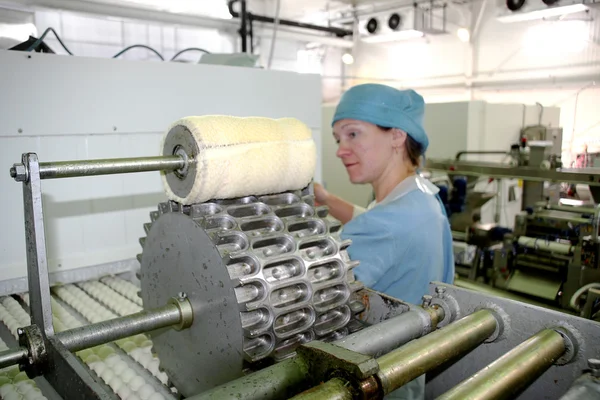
<point>403,241</point>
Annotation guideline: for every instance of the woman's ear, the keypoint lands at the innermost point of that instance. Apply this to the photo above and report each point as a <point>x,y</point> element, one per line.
<point>398,137</point>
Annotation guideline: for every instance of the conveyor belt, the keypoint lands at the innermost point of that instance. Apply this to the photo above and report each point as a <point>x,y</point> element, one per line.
<point>127,366</point>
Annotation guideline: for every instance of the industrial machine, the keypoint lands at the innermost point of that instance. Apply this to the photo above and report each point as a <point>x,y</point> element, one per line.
<point>552,253</point>
<point>254,297</point>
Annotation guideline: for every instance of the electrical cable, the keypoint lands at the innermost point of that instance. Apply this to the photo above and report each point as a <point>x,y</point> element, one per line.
<point>35,44</point>
<point>189,49</point>
<point>126,49</point>
<point>273,38</point>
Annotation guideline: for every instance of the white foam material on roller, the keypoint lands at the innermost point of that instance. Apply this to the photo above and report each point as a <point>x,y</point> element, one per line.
<point>543,244</point>
<point>247,156</point>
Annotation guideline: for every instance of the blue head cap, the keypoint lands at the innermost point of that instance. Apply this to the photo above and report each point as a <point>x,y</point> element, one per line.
<point>385,106</point>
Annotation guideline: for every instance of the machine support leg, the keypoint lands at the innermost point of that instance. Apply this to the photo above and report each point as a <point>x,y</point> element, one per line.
<point>35,244</point>
<point>285,379</point>
<point>514,371</point>
<point>428,352</point>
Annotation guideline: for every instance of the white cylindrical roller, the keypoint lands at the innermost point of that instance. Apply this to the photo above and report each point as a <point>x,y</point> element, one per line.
<point>236,157</point>
<point>543,244</point>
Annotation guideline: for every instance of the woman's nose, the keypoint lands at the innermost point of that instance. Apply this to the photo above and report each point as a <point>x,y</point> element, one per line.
<point>343,150</point>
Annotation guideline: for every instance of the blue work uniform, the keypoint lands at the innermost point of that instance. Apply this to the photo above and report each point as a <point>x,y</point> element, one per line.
<point>403,243</point>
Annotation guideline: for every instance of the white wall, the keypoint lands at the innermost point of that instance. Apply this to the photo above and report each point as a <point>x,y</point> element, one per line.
<point>525,62</point>
<point>70,108</point>
<point>94,36</point>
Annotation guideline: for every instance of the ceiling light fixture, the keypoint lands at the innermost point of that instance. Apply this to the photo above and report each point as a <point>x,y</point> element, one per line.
<point>463,34</point>
<point>348,59</point>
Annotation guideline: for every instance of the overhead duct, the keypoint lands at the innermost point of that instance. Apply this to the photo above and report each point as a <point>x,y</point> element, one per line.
<point>528,10</point>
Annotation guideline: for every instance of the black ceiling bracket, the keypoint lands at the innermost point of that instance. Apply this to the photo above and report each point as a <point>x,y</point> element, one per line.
<point>247,19</point>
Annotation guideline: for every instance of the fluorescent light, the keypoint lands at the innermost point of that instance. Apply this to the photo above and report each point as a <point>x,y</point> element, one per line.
<point>543,13</point>
<point>393,36</point>
<point>571,202</point>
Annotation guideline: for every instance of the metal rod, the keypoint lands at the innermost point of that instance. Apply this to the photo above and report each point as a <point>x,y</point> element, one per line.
<point>514,371</point>
<point>285,379</point>
<point>71,169</point>
<point>479,152</point>
<point>12,357</point>
<point>589,176</point>
<point>388,335</point>
<point>421,355</point>
<point>176,314</point>
<point>334,389</point>
<point>103,332</point>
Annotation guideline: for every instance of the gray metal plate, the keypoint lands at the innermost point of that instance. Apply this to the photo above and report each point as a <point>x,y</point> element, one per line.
<point>525,321</point>
<point>181,136</point>
<point>180,257</point>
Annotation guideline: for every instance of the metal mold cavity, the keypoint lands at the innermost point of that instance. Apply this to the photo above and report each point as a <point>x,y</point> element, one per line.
<point>262,226</point>
<point>313,249</point>
<point>230,242</point>
<point>297,210</point>
<point>329,297</point>
<point>258,347</point>
<point>306,228</point>
<point>240,267</point>
<point>250,292</point>
<point>293,322</point>
<point>284,199</point>
<point>239,200</point>
<point>274,246</point>
<point>287,347</point>
<point>336,335</point>
<point>206,209</point>
<point>332,320</point>
<point>290,295</point>
<point>250,210</point>
<point>221,222</point>
<point>281,271</point>
<point>325,272</point>
<point>255,320</point>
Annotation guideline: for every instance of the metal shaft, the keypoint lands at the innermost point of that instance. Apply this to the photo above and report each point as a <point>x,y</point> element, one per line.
<point>12,357</point>
<point>177,314</point>
<point>421,355</point>
<point>71,169</point>
<point>88,336</point>
<point>514,371</point>
<point>334,389</point>
<point>284,379</point>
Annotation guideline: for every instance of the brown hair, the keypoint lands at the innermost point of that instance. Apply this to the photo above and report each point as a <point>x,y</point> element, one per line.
<point>412,148</point>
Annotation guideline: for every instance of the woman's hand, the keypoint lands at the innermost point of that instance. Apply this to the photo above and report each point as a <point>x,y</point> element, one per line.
<point>321,194</point>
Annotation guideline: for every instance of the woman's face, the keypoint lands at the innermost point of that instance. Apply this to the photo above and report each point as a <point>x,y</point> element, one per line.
<point>364,148</point>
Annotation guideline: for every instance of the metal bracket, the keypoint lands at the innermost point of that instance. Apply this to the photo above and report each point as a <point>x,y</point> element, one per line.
<point>326,361</point>
<point>46,354</point>
<point>32,339</point>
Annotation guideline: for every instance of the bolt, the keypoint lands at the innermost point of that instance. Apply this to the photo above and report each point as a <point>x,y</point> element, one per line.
<point>18,173</point>
<point>20,331</point>
<point>20,130</point>
<point>426,300</point>
<point>440,289</point>
<point>182,295</point>
<point>594,365</point>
